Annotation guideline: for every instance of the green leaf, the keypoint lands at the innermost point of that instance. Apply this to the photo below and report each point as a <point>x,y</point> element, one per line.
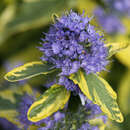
<point>116,47</point>
<point>124,93</point>
<point>55,17</point>
<point>99,91</point>
<point>10,99</point>
<point>52,100</point>
<point>123,56</point>
<point>31,14</point>
<point>28,70</point>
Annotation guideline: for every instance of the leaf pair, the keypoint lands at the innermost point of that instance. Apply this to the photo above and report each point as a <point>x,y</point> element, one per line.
<point>51,101</point>
<point>95,88</point>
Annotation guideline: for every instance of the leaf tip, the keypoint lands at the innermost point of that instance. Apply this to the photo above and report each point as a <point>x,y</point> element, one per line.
<point>120,118</point>
<point>9,77</point>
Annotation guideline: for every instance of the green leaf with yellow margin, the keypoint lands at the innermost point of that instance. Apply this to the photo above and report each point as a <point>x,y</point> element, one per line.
<point>51,101</point>
<point>124,93</point>
<point>9,104</point>
<point>28,70</point>
<point>99,91</point>
<point>115,47</point>
<point>124,56</point>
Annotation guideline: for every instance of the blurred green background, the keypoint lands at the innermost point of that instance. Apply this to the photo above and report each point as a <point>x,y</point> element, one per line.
<point>21,25</point>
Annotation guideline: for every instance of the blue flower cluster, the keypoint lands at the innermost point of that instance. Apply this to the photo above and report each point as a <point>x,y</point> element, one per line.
<point>73,43</point>
<point>92,110</point>
<point>87,126</point>
<point>110,19</point>
<point>119,6</point>
<point>63,80</point>
<point>109,22</point>
<point>50,123</point>
<point>69,84</point>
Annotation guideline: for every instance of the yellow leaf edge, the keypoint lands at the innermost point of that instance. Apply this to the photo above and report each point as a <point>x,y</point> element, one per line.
<point>114,96</point>
<point>20,68</point>
<point>36,119</point>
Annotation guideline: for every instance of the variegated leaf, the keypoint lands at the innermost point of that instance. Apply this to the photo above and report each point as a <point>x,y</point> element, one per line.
<point>124,93</point>
<point>28,70</point>
<point>51,101</point>
<point>99,91</point>
<point>10,100</point>
<point>124,56</point>
<point>116,46</point>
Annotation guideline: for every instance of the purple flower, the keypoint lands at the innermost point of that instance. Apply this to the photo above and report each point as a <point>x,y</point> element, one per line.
<point>95,112</point>
<point>121,7</point>
<point>50,83</point>
<point>56,48</point>
<point>51,123</point>
<point>6,125</point>
<point>73,43</point>
<point>94,109</point>
<point>69,85</point>
<point>85,126</point>
<point>103,117</point>
<point>58,116</point>
<point>94,128</point>
<point>110,22</point>
<point>85,113</point>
